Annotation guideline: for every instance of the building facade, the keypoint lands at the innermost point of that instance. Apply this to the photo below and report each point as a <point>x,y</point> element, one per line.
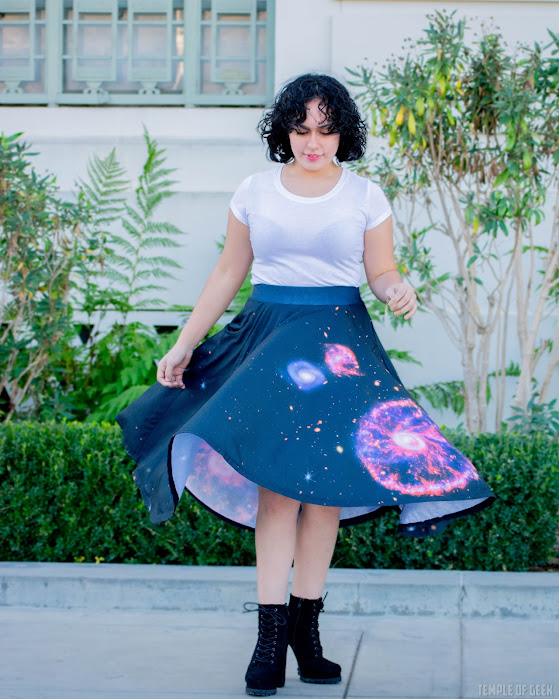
<point>79,77</point>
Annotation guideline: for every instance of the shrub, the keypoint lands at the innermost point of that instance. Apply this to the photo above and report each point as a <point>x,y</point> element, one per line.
<point>70,496</point>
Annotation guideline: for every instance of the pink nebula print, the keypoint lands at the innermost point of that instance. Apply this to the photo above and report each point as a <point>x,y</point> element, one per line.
<point>404,451</point>
<point>341,361</point>
<point>209,474</point>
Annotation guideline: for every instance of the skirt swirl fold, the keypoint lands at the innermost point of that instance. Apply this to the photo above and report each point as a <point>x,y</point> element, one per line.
<point>298,395</point>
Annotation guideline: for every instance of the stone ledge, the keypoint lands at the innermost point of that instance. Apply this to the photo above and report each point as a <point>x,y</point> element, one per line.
<point>436,593</point>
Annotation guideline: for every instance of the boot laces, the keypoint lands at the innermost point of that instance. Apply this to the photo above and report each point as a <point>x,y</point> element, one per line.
<point>269,619</point>
<point>313,631</point>
<point>318,606</point>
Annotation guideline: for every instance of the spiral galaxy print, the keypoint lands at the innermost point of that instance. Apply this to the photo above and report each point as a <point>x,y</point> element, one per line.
<point>339,359</point>
<point>305,375</point>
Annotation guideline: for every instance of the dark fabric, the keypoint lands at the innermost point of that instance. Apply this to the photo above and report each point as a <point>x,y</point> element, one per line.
<point>298,395</point>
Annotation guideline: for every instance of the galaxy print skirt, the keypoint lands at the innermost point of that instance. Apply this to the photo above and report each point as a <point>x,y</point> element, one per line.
<point>298,395</point>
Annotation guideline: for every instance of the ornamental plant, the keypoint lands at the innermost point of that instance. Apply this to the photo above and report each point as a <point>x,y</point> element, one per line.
<point>41,238</point>
<point>60,258</point>
<point>468,137</point>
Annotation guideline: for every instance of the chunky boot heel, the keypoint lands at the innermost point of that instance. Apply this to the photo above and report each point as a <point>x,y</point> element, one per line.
<point>304,639</point>
<point>266,670</point>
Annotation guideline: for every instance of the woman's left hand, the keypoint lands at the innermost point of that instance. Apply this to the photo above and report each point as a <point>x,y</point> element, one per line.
<point>402,299</point>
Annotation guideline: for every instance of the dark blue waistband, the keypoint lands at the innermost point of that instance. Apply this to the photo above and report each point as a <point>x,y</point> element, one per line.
<point>311,295</point>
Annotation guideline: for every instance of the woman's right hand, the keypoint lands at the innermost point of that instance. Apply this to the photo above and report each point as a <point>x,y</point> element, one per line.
<point>171,368</point>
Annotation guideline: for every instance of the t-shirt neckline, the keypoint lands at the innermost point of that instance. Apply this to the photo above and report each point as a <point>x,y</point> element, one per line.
<point>309,200</point>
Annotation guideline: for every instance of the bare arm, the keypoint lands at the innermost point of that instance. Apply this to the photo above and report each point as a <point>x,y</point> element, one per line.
<point>222,285</point>
<point>219,290</point>
<point>381,271</point>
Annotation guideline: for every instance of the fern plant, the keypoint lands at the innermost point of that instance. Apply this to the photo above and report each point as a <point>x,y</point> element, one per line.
<point>123,258</point>
<point>130,371</point>
<point>124,236</point>
<point>103,195</point>
<point>126,374</point>
<point>132,266</point>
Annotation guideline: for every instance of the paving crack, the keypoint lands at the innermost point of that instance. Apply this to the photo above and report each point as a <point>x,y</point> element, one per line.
<point>353,665</point>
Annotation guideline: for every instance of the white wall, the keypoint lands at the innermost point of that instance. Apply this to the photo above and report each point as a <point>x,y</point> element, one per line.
<point>213,149</point>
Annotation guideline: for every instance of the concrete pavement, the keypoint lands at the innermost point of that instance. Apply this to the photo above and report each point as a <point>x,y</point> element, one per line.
<point>498,636</point>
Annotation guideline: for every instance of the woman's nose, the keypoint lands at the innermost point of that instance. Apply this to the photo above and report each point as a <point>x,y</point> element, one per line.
<point>313,140</point>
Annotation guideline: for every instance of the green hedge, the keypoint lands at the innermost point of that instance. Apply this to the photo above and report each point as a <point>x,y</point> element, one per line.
<point>67,494</point>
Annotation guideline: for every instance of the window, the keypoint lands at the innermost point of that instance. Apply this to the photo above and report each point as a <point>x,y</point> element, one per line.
<point>168,52</point>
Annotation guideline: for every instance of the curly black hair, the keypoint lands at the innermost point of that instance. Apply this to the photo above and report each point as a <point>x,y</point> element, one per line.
<point>289,110</point>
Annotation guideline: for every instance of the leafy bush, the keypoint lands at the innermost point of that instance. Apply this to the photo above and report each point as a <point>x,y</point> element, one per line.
<point>41,238</point>
<point>69,495</point>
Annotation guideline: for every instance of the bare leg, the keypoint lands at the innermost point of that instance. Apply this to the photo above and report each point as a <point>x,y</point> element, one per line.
<point>317,531</point>
<point>274,537</point>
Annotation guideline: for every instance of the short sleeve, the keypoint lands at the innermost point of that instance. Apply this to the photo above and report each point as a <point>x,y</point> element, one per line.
<point>378,207</point>
<point>239,203</point>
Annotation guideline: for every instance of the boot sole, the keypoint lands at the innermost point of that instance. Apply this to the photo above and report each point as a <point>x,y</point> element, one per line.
<point>325,680</point>
<point>260,692</point>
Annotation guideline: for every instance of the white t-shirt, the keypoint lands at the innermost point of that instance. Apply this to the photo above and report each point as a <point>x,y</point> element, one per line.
<point>308,241</point>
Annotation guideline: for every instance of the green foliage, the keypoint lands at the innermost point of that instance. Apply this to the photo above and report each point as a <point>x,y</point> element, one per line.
<point>133,264</point>
<point>450,394</point>
<point>126,366</point>
<point>120,365</point>
<point>538,417</point>
<point>109,269</point>
<point>469,136</point>
<point>69,495</point>
<point>441,395</point>
<point>402,356</point>
<point>92,256</point>
<point>41,238</point>
<point>128,264</point>
<point>79,503</point>
<point>103,193</point>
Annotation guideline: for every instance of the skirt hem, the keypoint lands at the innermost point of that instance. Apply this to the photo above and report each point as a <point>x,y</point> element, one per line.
<point>416,529</point>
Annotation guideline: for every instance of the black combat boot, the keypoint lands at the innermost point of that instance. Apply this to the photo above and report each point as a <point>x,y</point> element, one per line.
<point>266,670</point>
<point>304,640</point>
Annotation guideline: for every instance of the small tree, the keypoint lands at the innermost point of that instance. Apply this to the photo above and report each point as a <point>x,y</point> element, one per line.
<point>471,138</point>
<point>41,237</point>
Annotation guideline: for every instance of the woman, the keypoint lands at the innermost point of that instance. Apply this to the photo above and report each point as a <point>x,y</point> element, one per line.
<point>292,421</point>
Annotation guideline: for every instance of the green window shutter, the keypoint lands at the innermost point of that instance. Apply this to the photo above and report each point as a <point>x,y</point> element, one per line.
<point>22,58</point>
<point>230,69</point>
<point>93,45</point>
<point>150,64</point>
<point>156,52</point>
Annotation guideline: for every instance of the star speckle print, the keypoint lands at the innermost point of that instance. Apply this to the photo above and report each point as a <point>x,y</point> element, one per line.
<point>303,401</point>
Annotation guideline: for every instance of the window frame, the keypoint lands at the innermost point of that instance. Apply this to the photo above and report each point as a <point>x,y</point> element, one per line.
<point>190,95</point>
